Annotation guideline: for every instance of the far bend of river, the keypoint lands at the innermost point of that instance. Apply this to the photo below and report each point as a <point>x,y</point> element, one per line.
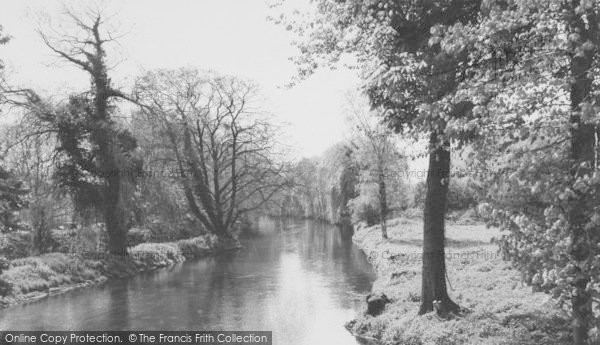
<point>300,280</point>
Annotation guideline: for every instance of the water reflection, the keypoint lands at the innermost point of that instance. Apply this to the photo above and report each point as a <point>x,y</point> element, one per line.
<point>301,280</point>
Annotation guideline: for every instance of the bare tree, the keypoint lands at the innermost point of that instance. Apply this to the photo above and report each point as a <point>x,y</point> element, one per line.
<point>223,147</point>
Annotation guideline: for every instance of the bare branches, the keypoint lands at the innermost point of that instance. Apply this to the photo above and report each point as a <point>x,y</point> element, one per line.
<point>227,145</point>
<point>81,38</point>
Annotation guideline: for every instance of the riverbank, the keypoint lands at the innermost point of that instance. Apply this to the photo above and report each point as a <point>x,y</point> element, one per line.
<point>36,277</point>
<point>500,309</point>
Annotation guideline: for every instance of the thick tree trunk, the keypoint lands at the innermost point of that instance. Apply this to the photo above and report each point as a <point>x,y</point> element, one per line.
<point>115,217</point>
<point>434,295</point>
<point>383,207</point>
<point>583,148</point>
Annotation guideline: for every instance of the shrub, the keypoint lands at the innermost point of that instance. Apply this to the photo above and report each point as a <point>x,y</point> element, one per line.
<point>16,244</point>
<point>460,195</point>
<point>41,223</point>
<point>413,212</point>
<point>86,239</point>
<point>39,273</point>
<point>151,255</point>
<point>136,236</point>
<point>194,247</point>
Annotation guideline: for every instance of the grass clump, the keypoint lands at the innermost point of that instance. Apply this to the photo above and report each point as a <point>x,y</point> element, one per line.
<point>35,275</point>
<point>40,273</point>
<point>152,255</point>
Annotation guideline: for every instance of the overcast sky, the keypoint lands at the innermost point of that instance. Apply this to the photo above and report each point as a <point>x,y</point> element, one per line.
<point>229,36</point>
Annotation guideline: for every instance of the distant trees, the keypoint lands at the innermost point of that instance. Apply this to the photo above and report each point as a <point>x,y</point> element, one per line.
<point>221,145</point>
<point>379,159</point>
<point>322,186</point>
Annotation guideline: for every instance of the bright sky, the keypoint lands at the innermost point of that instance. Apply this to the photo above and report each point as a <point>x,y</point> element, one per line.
<point>229,36</point>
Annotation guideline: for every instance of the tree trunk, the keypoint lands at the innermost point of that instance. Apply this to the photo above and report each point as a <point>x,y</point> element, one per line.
<point>583,148</point>
<point>434,295</point>
<point>383,207</point>
<point>115,217</point>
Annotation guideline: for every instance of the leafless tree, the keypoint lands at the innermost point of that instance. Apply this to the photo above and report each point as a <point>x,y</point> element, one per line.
<point>222,145</point>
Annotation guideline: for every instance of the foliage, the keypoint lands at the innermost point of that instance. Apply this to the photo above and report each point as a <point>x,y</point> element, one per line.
<point>461,195</point>
<point>30,151</point>
<point>381,188</point>
<point>321,186</point>
<point>50,270</point>
<point>365,207</point>
<point>411,80</point>
<point>16,244</point>
<point>12,199</point>
<point>41,224</point>
<point>197,246</point>
<point>539,98</point>
<point>155,254</point>
<point>97,160</point>
<point>61,270</point>
<point>12,190</point>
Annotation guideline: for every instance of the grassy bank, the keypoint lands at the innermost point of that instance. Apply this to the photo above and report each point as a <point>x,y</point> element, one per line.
<point>36,277</point>
<point>500,310</point>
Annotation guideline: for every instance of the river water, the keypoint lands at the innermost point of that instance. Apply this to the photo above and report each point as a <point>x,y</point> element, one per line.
<point>301,280</point>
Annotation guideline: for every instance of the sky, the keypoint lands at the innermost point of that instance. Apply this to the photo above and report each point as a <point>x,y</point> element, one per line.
<point>228,36</point>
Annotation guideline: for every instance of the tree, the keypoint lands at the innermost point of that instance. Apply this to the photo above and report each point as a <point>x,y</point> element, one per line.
<point>12,190</point>
<point>322,187</point>
<point>413,81</point>
<point>12,200</point>
<point>99,164</point>
<point>380,159</point>
<point>4,88</point>
<point>542,97</point>
<point>29,152</point>
<point>222,145</point>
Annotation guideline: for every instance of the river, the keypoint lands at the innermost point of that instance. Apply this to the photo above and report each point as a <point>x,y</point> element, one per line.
<point>301,280</point>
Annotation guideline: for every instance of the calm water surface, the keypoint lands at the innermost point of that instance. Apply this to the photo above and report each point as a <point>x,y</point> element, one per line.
<point>301,280</point>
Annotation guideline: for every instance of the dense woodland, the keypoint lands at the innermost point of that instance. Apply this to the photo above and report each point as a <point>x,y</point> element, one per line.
<point>511,88</point>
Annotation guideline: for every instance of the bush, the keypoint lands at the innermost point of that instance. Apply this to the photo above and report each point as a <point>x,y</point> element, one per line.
<point>152,255</point>
<point>40,273</point>
<point>460,195</point>
<point>136,236</point>
<point>41,223</point>
<point>195,247</point>
<point>365,207</point>
<point>16,244</point>
<point>413,212</point>
<point>86,239</point>
<point>64,239</point>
